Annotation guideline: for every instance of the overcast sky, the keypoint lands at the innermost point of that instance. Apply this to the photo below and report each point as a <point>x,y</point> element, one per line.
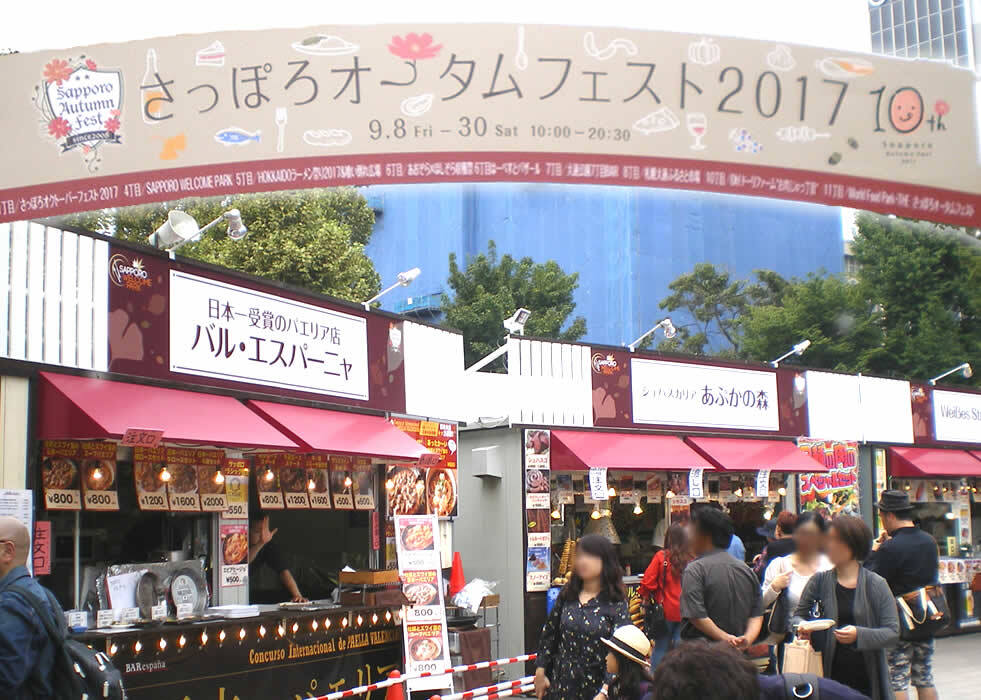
<point>57,24</point>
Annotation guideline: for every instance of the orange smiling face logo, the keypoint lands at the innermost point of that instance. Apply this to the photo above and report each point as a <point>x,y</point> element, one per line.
<point>906,110</point>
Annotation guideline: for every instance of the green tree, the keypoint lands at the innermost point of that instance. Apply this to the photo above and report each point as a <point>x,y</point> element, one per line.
<point>716,304</point>
<point>313,239</point>
<point>830,312</point>
<point>488,290</point>
<point>926,286</point>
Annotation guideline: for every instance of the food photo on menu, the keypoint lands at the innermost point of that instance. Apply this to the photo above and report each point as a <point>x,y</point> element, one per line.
<point>100,474</point>
<point>536,481</point>
<point>425,642</point>
<point>420,587</point>
<point>209,481</point>
<point>183,478</point>
<point>418,537</point>
<point>235,545</point>
<point>406,489</point>
<point>441,492</point>
<point>148,477</point>
<point>59,474</point>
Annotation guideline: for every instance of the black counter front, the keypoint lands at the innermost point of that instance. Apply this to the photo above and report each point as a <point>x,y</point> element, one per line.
<point>280,655</point>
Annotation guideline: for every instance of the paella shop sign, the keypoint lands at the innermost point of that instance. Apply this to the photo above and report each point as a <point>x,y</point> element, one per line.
<point>836,490</point>
<point>232,112</point>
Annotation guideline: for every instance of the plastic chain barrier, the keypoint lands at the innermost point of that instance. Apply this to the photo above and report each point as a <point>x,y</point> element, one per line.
<point>490,690</point>
<point>395,677</point>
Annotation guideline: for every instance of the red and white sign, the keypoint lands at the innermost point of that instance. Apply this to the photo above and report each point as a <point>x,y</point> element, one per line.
<point>141,437</point>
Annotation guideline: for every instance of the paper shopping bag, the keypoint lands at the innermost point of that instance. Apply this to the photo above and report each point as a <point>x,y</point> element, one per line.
<point>800,657</point>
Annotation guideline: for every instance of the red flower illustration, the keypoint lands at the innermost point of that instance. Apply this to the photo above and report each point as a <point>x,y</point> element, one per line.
<point>114,112</point>
<point>112,125</point>
<point>59,127</point>
<point>57,71</point>
<point>941,107</point>
<point>90,64</point>
<point>414,46</point>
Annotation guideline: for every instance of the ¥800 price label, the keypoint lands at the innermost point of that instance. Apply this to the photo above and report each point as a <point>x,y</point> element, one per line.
<point>101,500</point>
<point>271,499</point>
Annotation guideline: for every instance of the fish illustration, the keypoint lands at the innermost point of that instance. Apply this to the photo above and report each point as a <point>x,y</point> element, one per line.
<point>234,136</point>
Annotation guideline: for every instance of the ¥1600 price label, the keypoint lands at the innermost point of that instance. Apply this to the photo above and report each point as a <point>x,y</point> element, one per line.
<point>184,502</point>
<point>320,500</point>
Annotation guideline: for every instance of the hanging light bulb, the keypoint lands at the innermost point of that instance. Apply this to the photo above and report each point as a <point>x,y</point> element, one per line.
<point>164,473</point>
<point>348,482</point>
<point>219,476</point>
<point>669,494</point>
<point>907,486</point>
<point>262,631</point>
<point>611,492</point>
<point>97,472</point>
<point>204,638</point>
<point>311,485</point>
<point>181,641</point>
<point>595,515</point>
<point>556,513</point>
<point>638,510</point>
<point>268,476</point>
<point>162,644</point>
<point>390,484</point>
<point>738,493</point>
<point>767,514</point>
<point>782,491</point>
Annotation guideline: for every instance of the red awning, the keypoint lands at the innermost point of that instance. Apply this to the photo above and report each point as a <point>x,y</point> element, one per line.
<point>581,449</point>
<point>74,408</point>
<point>918,461</point>
<point>742,455</point>
<point>339,432</point>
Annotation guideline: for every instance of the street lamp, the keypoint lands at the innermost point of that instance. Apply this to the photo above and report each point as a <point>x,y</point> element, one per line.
<point>669,332</point>
<point>796,350</point>
<point>964,369</point>
<point>180,228</point>
<point>404,279</point>
<point>516,324</point>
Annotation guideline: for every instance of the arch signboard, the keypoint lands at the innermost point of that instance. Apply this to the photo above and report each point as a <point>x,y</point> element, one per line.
<point>200,115</point>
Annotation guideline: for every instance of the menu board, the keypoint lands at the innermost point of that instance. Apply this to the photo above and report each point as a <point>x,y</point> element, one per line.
<point>293,480</point>
<point>267,482</point>
<point>211,486</point>
<point>19,504</point>
<point>318,481</point>
<point>183,487</point>
<point>234,555</point>
<point>626,491</point>
<point>59,474</point>
<point>538,463</point>
<point>563,486</point>
<point>341,481</point>
<point>151,491</point>
<point>655,489</point>
<point>99,476</point>
<point>438,438</point>
<point>236,473</point>
<point>363,476</point>
<point>415,490</point>
<point>424,629</point>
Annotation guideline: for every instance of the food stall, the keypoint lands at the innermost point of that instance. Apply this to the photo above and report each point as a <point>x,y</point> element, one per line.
<point>224,400</point>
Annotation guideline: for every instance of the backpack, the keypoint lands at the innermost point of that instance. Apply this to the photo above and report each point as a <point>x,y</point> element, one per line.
<point>80,672</point>
<point>801,685</point>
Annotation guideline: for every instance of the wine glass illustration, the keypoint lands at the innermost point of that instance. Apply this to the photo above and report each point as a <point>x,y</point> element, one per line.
<point>697,123</point>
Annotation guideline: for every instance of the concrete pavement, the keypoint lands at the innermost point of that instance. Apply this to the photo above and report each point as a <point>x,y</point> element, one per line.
<point>956,667</point>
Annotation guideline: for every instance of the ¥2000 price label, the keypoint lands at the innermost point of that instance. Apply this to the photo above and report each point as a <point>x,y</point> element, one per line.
<point>214,502</point>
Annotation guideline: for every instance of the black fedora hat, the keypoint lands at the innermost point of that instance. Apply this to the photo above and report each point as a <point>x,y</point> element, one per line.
<point>893,501</point>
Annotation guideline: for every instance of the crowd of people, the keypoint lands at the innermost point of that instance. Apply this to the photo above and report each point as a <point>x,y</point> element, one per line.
<point>711,607</point>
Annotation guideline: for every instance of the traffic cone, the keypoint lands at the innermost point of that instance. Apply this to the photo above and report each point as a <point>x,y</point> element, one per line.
<point>396,691</point>
<point>457,581</point>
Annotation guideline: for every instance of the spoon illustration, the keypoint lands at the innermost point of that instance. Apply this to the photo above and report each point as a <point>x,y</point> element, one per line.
<point>521,58</point>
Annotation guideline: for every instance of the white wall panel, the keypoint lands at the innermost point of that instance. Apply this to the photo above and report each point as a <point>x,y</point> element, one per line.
<point>17,343</point>
<point>887,413</point>
<point>52,296</point>
<point>433,372</point>
<point>834,406</point>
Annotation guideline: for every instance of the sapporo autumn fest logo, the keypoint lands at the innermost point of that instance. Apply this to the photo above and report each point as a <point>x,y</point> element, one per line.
<point>80,106</point>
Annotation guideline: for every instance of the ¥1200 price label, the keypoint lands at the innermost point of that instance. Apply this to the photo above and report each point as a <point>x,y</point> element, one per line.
<point>153,501</point>
<point>298,501</point>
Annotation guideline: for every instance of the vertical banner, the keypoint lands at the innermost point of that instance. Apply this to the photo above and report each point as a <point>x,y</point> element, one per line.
<point>98,472</point>
<point>598,488</point>
<point>293,480</point>
<point>59,474</point>
<point>538,465</point>
<point>364,484</point>
<point>148,464</point>
<point>236,472</point>
<point>696,484</point>
<point>41,548</point>
<point>835,491</point>
<point>763,483</point>
<point>234,555</point>
<point>424,627</point>
<point>267,482</point>
<point>879,460</point>
<point>341,481</point>
<point>318,481</point>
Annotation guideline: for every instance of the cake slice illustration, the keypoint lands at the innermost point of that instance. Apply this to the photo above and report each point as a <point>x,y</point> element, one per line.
<point>212,55</point>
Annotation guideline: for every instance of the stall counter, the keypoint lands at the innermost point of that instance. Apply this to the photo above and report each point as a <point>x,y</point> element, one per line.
<point>280,653</point>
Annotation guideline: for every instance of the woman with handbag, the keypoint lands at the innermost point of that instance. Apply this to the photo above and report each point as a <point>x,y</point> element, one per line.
<point>661,591</point>
<point>787,576</point>
<point>862,608</point>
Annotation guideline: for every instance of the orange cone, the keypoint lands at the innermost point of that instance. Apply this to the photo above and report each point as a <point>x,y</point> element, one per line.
<point>457,581</point>
<point>395,692</point>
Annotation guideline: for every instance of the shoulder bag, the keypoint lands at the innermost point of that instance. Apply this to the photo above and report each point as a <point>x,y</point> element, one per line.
<point>655,624</point>
<point>922,613</point>
<point>776,621</point>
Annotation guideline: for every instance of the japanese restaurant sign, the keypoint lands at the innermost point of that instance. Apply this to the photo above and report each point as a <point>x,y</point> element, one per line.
<point>230,332</point>
<point>41,546</point>
<point>678,393</point>
<point>956,416</point>
<point>836,490</point>
<point>223,113</point>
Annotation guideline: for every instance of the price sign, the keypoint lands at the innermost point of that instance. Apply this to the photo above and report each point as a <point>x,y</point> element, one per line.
<point>214,502</point>
<point>236,488</point>
<point>104,618</point>
<point>236,575</point>
<point>141,437</point>
<point>297,501</point>
<point>101,500</point>
<point>184,502</point>
<point>153,501</point>
<point>271,500</point>
<point>763,483</point>
<point>185,610</point>
<point>158,612</point>
<point>598,489</point>
<point>62,499</point>
<point>77,618</point>
<point>130,615</point>
<point>320,500</point>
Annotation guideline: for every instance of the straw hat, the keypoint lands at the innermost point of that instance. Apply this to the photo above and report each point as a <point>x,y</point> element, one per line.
<point>632,643</point>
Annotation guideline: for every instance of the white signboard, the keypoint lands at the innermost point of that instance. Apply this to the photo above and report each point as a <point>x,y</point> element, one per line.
<point>676,393</point>
<point>956,416</point>
<point>763,483</point>
<point>228,332</point>
<point>19,503</point>
<point>598,488</point>
<point>696,485</point>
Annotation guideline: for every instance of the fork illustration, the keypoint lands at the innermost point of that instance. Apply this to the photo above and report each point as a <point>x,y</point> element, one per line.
<point>281,125</point>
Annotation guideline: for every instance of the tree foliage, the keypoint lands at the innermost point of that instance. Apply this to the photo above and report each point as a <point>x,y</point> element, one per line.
<point>488,290</point>
<point>313,239</point>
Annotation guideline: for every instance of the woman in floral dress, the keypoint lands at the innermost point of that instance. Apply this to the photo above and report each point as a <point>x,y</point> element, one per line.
<point>571,655</point>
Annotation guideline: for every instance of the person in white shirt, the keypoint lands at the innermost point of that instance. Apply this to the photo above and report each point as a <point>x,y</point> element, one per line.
<point>792,572</point>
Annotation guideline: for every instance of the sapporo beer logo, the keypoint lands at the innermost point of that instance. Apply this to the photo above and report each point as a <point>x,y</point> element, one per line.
<point>604,364</point>
<point>80,106</point>
<point>128,273</point>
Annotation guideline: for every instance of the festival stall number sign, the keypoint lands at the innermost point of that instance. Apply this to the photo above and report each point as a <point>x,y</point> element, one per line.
<point>342,481</point>
<point>318,481</point>
<point>363,487</point>
<point>538,464</point>
<point>100,488</point>
<point>837,490</point>
<point>425,634</point>
<point>151,490</point>
<point>234,555</point>
<point>138,122</point>
<point>60,476</point>
<point>236,473</point>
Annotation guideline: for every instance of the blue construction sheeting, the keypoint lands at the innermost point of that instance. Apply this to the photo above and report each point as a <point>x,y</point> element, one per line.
<point>627,244</point>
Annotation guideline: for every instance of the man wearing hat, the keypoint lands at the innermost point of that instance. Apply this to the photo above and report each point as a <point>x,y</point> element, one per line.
<point>908,559</point>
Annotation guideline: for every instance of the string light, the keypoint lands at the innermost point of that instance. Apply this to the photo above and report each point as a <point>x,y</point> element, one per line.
<point>295,627</point>
<point>221,636</point>
<point>326,623</point>
<point>181,641</point>
<point>268,475</point>
<point>344,622</point>
<point>204,638</point>
<point>219,476</point>
<point>113,649</point>
<point>262,631</point>
<point>390,484</point>
<point>374,618</point>
<point>241,634</point>
<point>164,473</point>
<point>360,620</point>
<point>162,644</point>
<point>388,616</point>
<point>314,625</point>
<point>138,647</point>
<point>638,510</point>
<point>281,630</point>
